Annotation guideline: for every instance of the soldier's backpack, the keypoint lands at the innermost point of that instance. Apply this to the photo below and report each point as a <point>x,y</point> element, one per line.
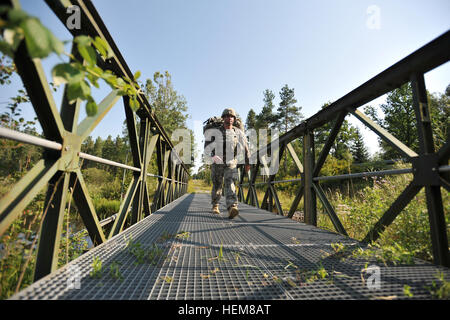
<point>217,122</point>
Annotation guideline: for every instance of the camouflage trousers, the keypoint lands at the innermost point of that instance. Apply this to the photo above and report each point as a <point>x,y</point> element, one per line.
<point>223,174</point>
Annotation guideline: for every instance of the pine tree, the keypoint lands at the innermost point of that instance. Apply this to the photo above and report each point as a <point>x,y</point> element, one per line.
<point>266,118</point>
<point>358,149</point>
<point>170,107</point>
<point>289,114</point>
<point>250,122</point>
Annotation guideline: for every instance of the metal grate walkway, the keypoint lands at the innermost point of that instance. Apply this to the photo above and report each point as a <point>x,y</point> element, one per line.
<point>183,251</point>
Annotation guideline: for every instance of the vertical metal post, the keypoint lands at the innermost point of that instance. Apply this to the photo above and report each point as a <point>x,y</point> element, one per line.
<point>310,204</point>
<point>50,233</point>
<point>143,146</point>
<point>436,216</point>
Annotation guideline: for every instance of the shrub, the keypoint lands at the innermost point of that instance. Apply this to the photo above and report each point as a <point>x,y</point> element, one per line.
<point>410,230</point>
<point>106,207</point>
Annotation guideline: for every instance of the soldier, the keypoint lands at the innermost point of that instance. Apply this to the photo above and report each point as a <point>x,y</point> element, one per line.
<point>224,162</point>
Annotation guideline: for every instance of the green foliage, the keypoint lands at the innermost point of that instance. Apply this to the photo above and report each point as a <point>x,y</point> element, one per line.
<point>440,289</point>
<point>250,123</point>
<point>97,268</point>
<point>15,249</point>
<point>289,114</point>
<point>386,254</point>
<point>398,117</point>
<point>266,118</point>
<point>79,76</point>
<point>409,233</point>
<point>169,106</point>
<point>407,291</point>
<point>114,271</point>
<point>151,254</point>
<point>106,207</point>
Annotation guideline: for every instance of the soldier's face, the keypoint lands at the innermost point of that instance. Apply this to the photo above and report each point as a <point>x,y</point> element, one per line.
<point>229,120</point>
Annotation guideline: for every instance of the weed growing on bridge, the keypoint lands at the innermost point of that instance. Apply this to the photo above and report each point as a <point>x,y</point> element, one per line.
<point>151,254</point>
<point>96,268</point>
<point>114,271</point>
<point>440,289</point>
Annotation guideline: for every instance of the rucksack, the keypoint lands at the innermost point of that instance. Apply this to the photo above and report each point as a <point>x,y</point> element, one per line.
<point>217,122</point>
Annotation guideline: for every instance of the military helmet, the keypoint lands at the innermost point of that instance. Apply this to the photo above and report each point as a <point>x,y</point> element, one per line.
<point>229,111</point>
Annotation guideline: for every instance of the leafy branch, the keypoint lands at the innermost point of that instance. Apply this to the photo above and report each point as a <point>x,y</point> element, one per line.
<point>17,26</point>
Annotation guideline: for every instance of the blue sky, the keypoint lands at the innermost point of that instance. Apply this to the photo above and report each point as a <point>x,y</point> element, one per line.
<point>226,53</point>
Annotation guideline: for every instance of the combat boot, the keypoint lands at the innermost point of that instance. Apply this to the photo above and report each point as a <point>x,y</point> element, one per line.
<point>215,209</point>
<point>232,211</point>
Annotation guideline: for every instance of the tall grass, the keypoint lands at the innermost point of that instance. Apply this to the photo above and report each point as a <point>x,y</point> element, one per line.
<point>410,229</point>
<point>360,204</point>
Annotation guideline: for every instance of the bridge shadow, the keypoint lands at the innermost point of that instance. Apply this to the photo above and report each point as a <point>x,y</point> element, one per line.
<point>133,279</point>
<point>190,248</point>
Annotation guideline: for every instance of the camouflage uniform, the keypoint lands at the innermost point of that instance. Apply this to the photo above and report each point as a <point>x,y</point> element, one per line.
<point>227,173</point>
<point>221,173</point>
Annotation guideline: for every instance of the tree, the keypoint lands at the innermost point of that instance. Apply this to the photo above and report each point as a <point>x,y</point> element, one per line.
<point>400,120</point>
<point>440,114</point>
<point>340,148</point>
<point>289,114</point>
<point>170,107</point>
<point>358,148</point>
<point>250,122</point>
<point>98,147</point>
<point>266,118</point>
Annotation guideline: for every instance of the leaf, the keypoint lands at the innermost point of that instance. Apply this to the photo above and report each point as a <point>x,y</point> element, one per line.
<point>17,16</point>
<point>83,40</point>
<point>103,47</point>
<point>120,82</point>
<point>78,90</point>
<point>93,79</point>
<point>13,38</point>
<point>134,104</point>
<point>37,38</point>
<point>88,54</point>
<point>56,44</point>
<point>137,75</point>
<point>110,79</point>
<point>91,108</point>
<point>5,48</point>
<point>66,73</point>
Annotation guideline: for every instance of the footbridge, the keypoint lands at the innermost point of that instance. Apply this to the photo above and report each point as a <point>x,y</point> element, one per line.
<point>166,244</point>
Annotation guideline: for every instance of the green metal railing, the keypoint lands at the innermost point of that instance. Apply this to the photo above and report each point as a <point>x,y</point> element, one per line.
<point>59,169</point>
<point>429,166</point>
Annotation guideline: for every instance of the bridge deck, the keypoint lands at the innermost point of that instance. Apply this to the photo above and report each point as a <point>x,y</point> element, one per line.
<point>185,252</point>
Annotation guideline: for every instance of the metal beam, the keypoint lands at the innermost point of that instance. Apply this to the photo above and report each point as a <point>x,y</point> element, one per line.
<point>294,156</point>
<point>385,135</point>
<point>438,226</point>
<point>86,208</point>
<point>310,202</point>
<point>52,222</point>
<point>89,123</point>
<point>328,144</point>
<point>329,208</point>
<point>24,191</point>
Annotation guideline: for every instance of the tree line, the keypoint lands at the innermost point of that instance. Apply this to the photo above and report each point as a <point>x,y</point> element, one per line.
<point>396,115</point>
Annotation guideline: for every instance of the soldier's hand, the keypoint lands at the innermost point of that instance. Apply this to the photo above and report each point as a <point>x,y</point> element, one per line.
<point>217,159</point>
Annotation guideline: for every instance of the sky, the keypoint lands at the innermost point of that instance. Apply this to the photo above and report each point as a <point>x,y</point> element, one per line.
<point>226,53</point>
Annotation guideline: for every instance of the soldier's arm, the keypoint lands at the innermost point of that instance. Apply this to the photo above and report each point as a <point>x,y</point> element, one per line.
<point>244,144</point>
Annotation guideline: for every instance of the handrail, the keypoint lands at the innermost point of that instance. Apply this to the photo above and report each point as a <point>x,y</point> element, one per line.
<point>59,167</point>
<point>40,142</point>
<point>429,167</point>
